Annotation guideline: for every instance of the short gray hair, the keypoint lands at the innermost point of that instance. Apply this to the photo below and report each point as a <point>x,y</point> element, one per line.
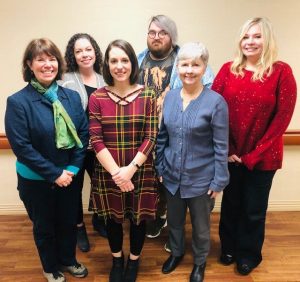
<point>193,50</point>
<point>166,24</point>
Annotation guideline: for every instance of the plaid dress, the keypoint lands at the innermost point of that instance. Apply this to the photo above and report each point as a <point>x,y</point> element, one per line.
<point>124,130</point>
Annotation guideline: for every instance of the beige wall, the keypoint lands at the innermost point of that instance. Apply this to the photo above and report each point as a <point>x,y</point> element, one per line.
<point>214,22</point>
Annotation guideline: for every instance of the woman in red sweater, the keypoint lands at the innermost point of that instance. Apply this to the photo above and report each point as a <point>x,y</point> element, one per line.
<point>261,96</point>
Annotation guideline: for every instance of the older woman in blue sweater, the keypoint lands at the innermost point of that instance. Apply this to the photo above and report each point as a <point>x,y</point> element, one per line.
<point>192,152</point>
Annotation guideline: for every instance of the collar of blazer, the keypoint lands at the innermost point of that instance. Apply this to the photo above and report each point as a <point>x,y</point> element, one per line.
<point>36,96</point>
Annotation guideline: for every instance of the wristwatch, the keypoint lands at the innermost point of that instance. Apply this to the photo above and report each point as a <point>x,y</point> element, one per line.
<point>135,164</point>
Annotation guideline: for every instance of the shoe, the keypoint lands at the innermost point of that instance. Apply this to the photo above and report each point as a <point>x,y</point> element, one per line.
<point>99,225</point>
<point>197,274</point>
<point>131,270</point>
<point>167,247</point>
<point>116,272</point>
<point>82,239</point>
<point>170,264</point>
<point>226,259</point>
<point>244,269</point>
<point>154,227</point>
<point>77,270</point>
<point>56,276</point>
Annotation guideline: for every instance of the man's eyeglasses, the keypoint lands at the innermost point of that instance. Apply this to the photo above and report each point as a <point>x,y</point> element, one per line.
<point>161,34</point>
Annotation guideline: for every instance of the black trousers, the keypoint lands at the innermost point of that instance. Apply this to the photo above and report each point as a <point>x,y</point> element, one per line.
<point>53,212</point>
<point>136,236</point>
<point>88,166</point>
<point>243,213</point>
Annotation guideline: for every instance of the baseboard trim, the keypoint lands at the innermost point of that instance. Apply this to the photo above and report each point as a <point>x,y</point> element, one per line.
<point>284,206</point>
<point>273,206</point>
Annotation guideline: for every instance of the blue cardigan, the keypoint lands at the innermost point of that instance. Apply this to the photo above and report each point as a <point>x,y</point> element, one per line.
<point>192,145</point>
<point>29,126</point>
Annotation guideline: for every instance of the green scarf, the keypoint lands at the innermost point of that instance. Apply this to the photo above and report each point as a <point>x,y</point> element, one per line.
<point>65,132</point>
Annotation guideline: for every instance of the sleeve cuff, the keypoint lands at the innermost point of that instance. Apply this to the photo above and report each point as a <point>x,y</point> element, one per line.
<point>247,162</point>
<point>73,169</point>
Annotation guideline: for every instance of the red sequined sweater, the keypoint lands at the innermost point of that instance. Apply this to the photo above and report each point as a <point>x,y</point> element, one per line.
<point>259,114</point>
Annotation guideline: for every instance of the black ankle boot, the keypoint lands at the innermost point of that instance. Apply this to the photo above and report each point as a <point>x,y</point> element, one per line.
<point>131,270</point>
<point>82,239</point>
<point>197,274</point>
<point>116,272</point>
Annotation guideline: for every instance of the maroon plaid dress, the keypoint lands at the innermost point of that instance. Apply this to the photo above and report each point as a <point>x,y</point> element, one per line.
<point>124,130</point>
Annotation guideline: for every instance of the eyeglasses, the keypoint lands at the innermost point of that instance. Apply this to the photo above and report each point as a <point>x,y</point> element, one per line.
<point>161,34</point>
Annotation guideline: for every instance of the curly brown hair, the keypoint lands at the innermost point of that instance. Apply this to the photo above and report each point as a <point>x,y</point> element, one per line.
<point>70,57</point>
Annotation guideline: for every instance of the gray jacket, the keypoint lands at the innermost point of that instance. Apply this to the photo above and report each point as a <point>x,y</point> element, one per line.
<point>72,80</point>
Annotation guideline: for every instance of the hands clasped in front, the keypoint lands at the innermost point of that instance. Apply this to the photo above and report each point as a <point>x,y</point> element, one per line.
<point>123,179</point>
<point>65,179</point>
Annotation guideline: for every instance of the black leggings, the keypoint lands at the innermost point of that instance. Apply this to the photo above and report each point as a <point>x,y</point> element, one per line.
<point>115,236</point>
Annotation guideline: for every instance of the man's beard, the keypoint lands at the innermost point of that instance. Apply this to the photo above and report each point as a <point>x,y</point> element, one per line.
<point>161,52</point>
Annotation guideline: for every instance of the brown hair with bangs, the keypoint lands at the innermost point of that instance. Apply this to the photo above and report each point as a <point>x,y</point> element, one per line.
<point>37,47</point>
<point>127,48</point>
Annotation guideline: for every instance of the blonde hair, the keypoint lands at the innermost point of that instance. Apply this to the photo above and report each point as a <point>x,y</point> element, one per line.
<point>268,56</point>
